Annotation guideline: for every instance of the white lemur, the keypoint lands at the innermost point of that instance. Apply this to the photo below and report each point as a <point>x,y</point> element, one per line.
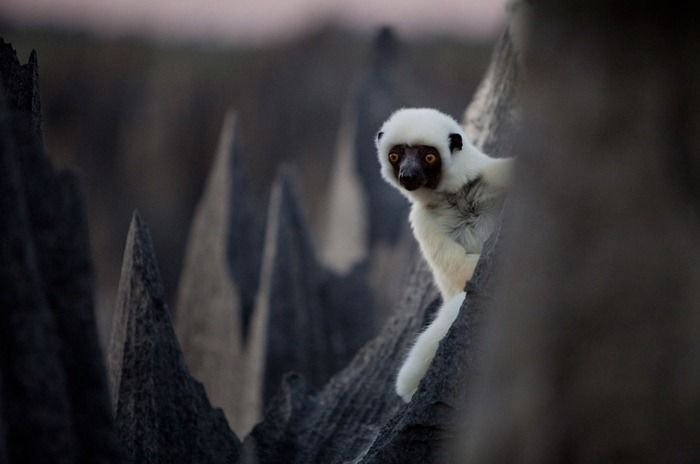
<point>456,192</point>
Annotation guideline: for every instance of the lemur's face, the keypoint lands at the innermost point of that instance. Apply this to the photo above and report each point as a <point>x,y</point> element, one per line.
<point>417,148</point>
<point>416,166</point>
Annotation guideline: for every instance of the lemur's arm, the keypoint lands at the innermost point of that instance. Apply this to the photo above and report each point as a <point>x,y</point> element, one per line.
<point>451,265</point>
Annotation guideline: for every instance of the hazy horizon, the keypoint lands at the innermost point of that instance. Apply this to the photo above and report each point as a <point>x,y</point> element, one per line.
<point>253,21</point>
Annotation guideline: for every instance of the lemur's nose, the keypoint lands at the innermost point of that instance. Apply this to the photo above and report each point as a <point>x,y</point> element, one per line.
<point>410,180</point>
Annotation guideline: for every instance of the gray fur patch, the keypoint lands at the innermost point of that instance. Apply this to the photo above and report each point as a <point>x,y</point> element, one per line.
<point>469,214</point>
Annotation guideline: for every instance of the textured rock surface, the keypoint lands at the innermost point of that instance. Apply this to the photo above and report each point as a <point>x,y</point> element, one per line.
<point>594,345</point>
<point>3,432</point>
<point>292,326</point>
<point>227,227</point>
<point>341,421</point>
<point>162,413</point>
<point>421,432</point>
<point>311,322</point>
<point>54,386</point>
<point>218,285</point>
<point>491,119</point>
<point>34,383</point>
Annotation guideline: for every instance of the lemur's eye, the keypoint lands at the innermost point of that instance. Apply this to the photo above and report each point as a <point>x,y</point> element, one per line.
<point>430,158</point>
<point>393,157</point>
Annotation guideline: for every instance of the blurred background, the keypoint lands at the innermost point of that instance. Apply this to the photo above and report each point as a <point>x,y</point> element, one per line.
<point>134,94</point>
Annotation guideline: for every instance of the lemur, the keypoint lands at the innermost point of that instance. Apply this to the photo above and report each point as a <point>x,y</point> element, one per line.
<point>456,193</point>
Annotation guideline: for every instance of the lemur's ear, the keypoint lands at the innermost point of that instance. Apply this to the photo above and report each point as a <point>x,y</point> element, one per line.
<point>455,142</point>
<point>379,135</point>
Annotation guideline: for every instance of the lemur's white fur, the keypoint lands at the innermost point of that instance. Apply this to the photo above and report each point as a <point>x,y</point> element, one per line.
<point>450,222</point>
<point>422,353</point>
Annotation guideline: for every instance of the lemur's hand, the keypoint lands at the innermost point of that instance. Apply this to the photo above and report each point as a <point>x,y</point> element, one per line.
<point>422,353</point>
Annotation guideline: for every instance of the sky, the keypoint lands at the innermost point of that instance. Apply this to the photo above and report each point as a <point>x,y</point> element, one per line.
<point>256,21</point>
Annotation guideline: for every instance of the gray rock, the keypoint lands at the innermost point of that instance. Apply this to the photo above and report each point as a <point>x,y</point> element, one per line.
<point>312,324</point>
<point>218,285</point>
<point>340,422</point>
<point>421,433</point>
<point>162,413</point>
<point>69,280</point>
<point>3,432</point>
<point>593,353</point>
<point>291,326</point>
<point>55,385</point>
<point>21,93</point>
<point>298,329</point>
<point>227,225</point>
<point>491,119</point>
<point>35,392</point>
<point>275,439</point>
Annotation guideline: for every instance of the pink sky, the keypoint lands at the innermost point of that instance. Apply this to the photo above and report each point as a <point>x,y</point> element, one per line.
<point>260,20</point>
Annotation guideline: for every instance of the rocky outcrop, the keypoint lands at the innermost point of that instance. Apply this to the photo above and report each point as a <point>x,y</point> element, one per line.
<point>303,318</point>
<point>340,422</point>
<point>592,347</point>
<point>162,413</point>
<point>218,284</point>
<point>55,405</point>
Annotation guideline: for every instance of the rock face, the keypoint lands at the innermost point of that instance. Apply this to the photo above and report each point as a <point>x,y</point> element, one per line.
<point>307,318</point>
<point>491,119</point>
<point>218,283</point>
<point>340,422</point>
<point>55,405</point>
<point>227,227</point>
<point>162,413</point>
<point>592,349</point>
<point>422,431</point>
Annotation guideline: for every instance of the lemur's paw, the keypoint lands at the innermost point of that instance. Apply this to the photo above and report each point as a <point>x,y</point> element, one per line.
<point>422,353</point>
<point>407,381</point>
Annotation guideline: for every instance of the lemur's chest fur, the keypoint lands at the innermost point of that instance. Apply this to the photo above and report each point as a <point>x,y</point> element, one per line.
<point>467,216</point>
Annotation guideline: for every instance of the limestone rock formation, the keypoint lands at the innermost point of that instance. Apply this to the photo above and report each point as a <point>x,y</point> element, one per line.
<point>54,392</point>
<point>592,351</point>
<point>218,284</point>
<point>341,421</point>
<point>309,320</point>
<point>162,413</point>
